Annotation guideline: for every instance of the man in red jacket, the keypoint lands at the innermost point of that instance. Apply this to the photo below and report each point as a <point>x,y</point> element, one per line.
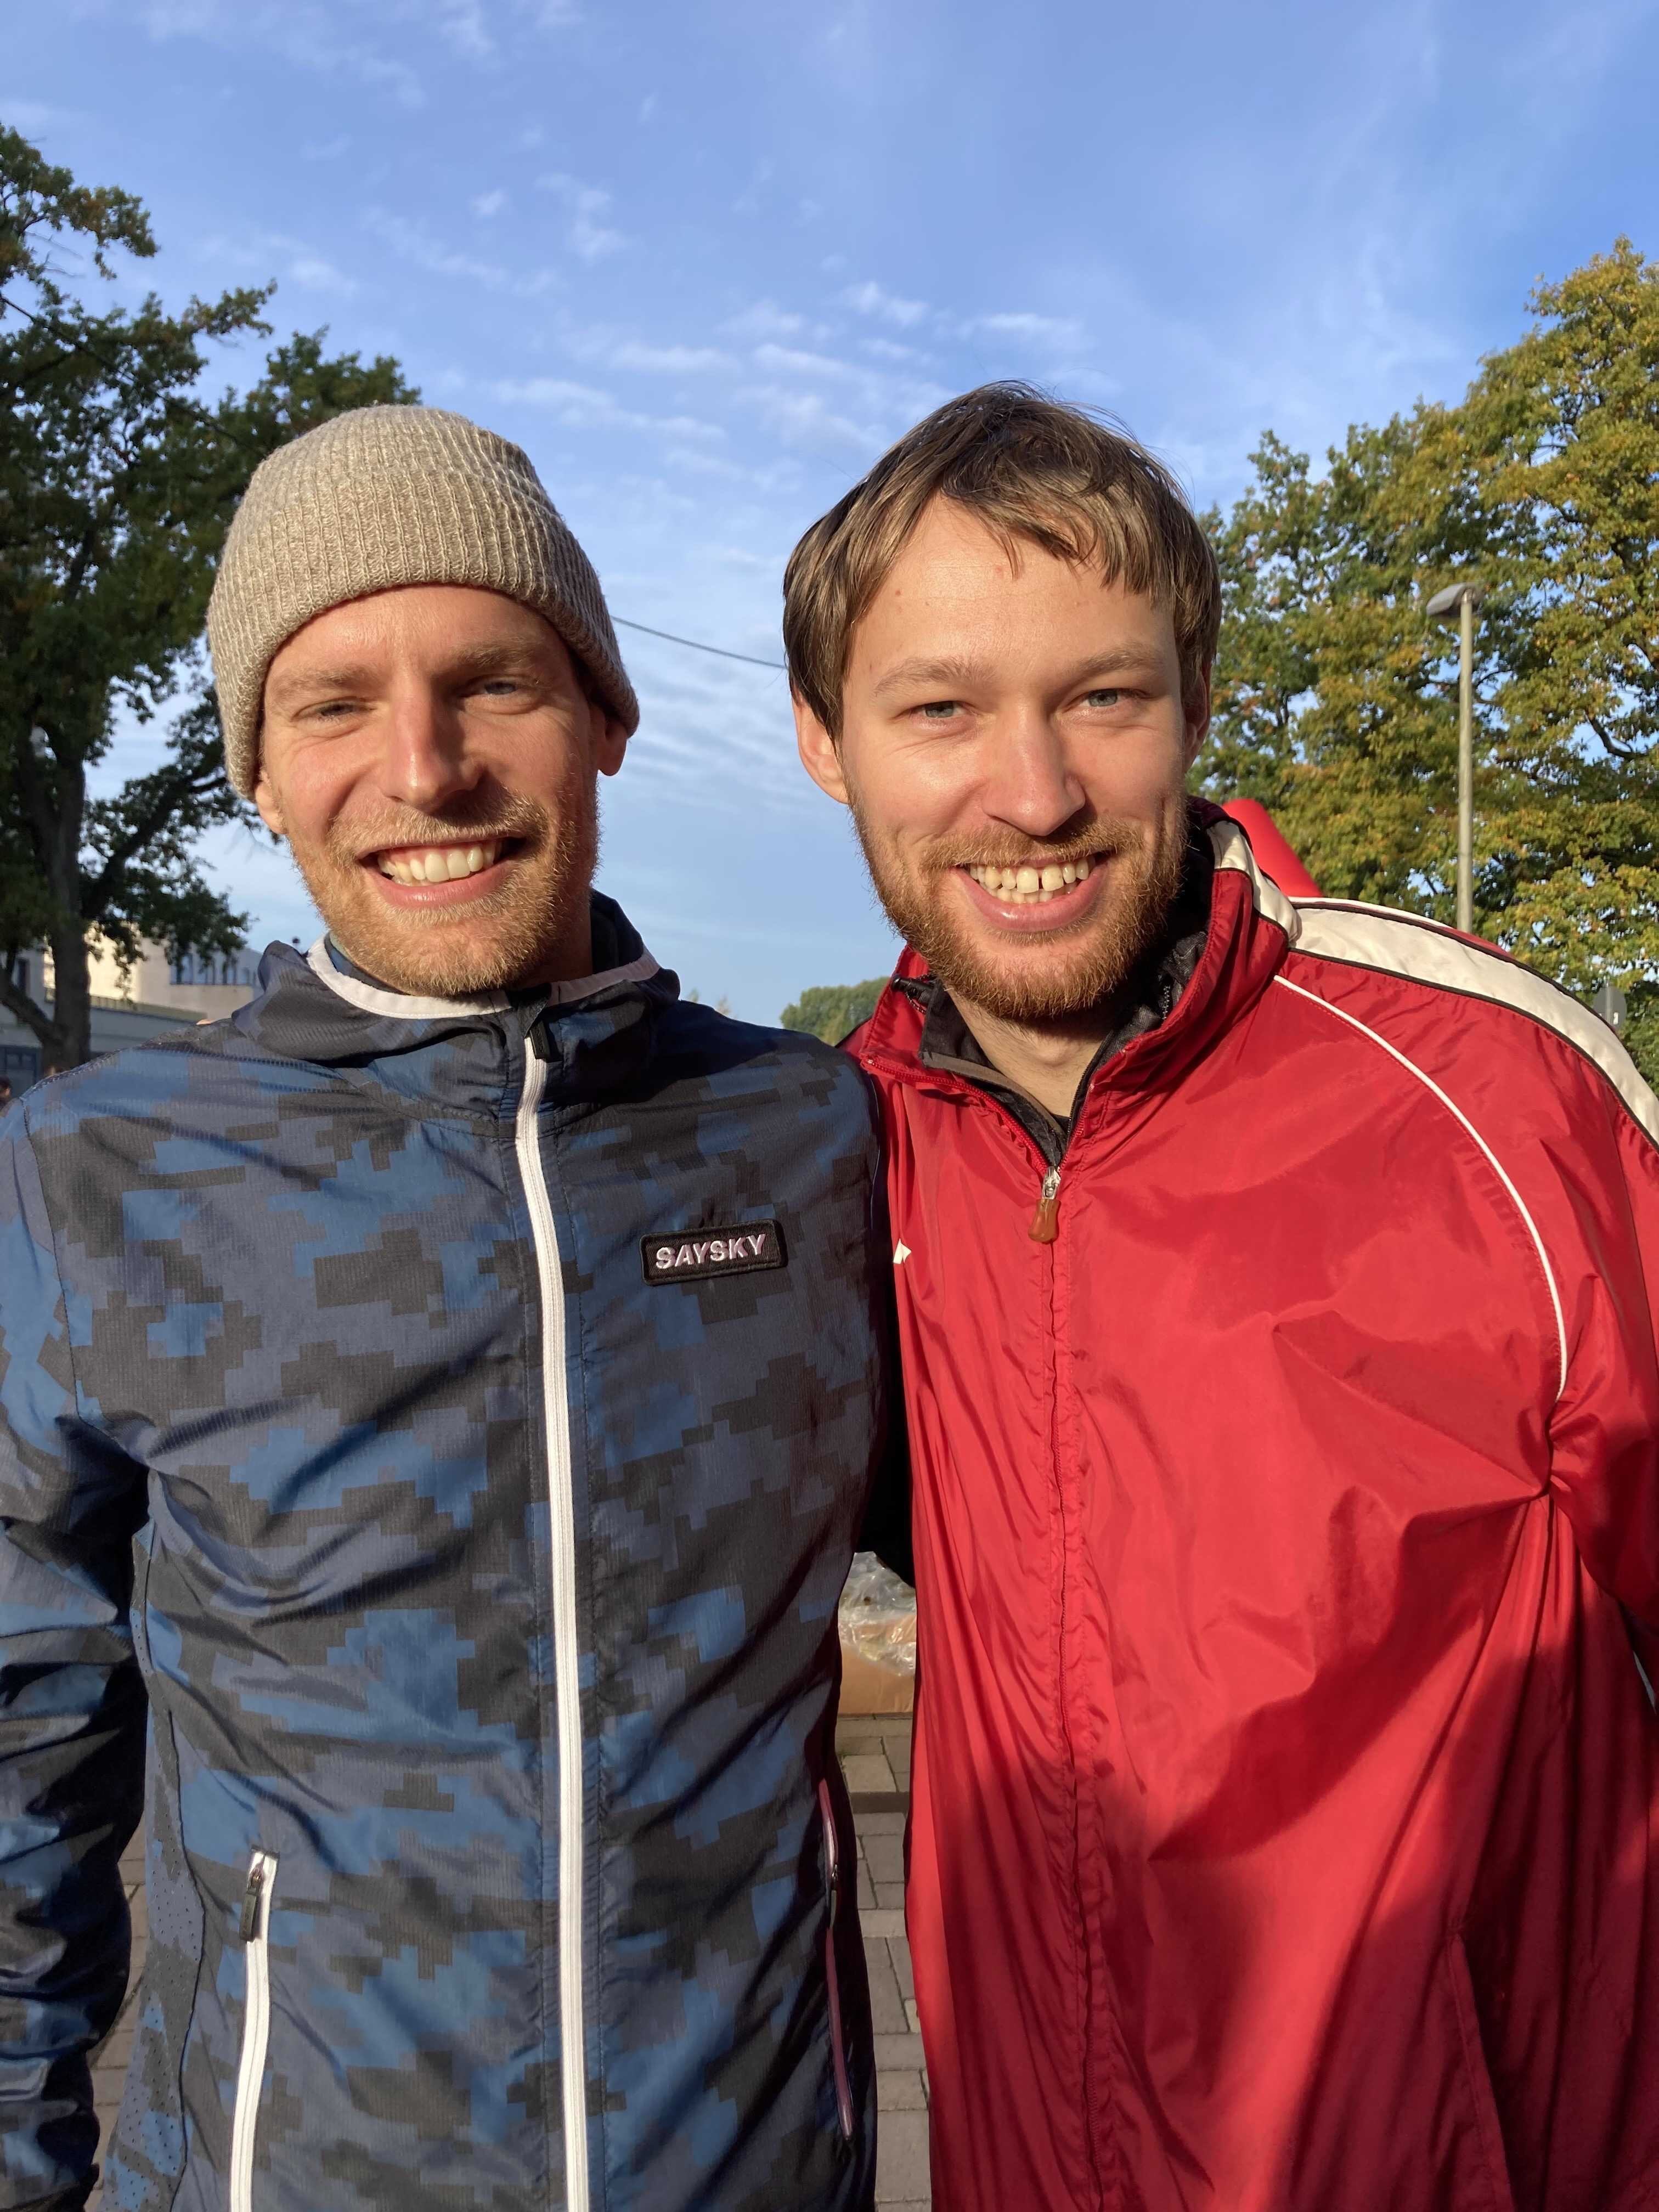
<point>1275,1282</point>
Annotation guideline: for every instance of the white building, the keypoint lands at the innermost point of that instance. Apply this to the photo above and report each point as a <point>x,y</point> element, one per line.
<point>155,993</point>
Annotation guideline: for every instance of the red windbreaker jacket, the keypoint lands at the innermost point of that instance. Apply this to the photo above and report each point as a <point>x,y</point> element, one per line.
<point>1284,1829</point>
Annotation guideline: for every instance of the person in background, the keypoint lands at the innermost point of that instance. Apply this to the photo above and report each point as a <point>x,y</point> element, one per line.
<point>437,1406</point>
<point>1275,1285</point>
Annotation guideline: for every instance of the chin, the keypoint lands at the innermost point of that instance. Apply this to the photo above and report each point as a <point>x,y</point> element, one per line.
<point>1052,987</point>
<point>437,958</point>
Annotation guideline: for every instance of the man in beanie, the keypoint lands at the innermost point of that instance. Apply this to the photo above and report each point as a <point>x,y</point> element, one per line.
<point>437,1408</point>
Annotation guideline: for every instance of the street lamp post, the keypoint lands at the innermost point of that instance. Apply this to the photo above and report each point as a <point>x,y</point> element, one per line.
<point>1462,599</point>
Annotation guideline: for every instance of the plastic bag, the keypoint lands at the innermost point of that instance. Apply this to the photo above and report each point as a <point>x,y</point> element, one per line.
<point>879,1615</point>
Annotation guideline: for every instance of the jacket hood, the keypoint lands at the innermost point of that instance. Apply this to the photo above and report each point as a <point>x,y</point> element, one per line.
<point>464,1053</point>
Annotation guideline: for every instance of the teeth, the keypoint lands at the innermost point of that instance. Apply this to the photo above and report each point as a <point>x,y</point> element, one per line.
<point>1029,886</point>
<point>438,863</point>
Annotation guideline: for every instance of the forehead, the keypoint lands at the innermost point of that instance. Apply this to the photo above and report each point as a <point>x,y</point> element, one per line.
<point>955,581</point>
<point>428,626</point>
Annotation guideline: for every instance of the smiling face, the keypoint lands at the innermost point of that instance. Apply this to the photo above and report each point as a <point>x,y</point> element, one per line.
<point>1014,746</point>
<point>430,756</point>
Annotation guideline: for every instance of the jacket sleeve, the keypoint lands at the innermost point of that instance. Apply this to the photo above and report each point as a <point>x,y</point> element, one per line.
<point>72,1717</point>
<point>886,1527</point>
<point>1605,1434</point>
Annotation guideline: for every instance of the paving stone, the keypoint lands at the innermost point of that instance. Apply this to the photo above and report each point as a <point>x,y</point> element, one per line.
<point>900,2051</point>
<point>885,1854</point>
<point>880,1824</point>
<point>901,2089</point>
<point>886,1998</point>
<point>880,1921</point>
<point>900,1953</point>
<point>868,1774</point>
<point>854,1731</point>
<point>902,2158</point>
<point>866,1894</point>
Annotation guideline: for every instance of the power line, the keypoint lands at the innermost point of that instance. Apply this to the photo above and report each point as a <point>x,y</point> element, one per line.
<point>697,644</point>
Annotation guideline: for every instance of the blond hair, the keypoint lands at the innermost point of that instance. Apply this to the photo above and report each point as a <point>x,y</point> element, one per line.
<point>1029,467</point>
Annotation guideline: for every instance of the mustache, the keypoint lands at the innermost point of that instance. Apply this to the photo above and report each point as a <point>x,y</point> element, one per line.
<point>1105,841</point>
<point>398,827</point>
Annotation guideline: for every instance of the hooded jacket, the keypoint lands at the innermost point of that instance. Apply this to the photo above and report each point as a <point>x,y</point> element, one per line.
<point>438,1431</point>
<point>1285,1828</point>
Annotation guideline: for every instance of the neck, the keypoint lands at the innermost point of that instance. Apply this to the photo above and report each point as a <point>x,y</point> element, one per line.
<point>1048,1061</point>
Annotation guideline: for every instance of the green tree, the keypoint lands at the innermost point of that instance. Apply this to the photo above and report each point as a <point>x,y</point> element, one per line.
<point>1336,696</point>
<point>833,1011</point>
<point>117,481</point>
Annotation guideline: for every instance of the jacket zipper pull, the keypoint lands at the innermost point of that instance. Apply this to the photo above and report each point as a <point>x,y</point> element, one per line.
<point>1045,1222</point>
<point>256,1882</point>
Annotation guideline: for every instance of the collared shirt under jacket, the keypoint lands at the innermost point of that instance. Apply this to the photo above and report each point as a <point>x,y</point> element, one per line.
<point>445,1426</point>
<point>1287,1815</point>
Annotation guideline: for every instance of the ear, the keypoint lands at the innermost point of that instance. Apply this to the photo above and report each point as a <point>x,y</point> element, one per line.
<point>1196,712</point>
<point>609,739</point>
<point>265,800</point>
<point>820,756</point>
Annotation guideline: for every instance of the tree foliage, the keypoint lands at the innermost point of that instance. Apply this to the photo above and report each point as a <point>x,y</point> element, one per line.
<point>1335,699</point>
<point>833,1011</point>
<point>118,480</point>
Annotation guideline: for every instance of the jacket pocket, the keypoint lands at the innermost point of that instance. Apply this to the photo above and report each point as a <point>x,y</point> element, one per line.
<point>832,1976</point>
<point>256,2027</point>
<point>1479,2078</point>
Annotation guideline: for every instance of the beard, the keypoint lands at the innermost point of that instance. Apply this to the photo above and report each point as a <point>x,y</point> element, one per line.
<point>508,936</point>
<point>1049,976</point>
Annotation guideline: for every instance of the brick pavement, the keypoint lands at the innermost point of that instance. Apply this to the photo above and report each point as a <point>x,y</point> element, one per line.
<point>875,1757</point>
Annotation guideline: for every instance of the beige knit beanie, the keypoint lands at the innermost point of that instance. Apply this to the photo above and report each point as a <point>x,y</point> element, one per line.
<point>381,497</point>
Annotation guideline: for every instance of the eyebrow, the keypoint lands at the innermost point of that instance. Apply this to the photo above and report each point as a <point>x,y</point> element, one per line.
<point>1129,660</point>
<point>471,663</point>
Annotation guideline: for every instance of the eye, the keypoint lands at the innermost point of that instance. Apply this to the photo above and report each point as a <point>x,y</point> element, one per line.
<point>939,710</point>
<point>1103,698</point>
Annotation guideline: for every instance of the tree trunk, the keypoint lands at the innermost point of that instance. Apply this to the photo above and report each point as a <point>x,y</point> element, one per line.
<point>71,1039</point>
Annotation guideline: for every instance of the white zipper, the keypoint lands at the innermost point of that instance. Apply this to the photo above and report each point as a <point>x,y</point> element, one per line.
<point>256,2027</point>
<point>567,1689</point>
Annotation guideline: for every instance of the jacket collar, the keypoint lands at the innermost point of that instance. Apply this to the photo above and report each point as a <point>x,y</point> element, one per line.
<point>466,1053</point>
<point>1251,926</point>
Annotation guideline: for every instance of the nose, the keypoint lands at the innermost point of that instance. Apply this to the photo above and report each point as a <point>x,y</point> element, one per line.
<point>425,762</point>
<point>1032,785</point>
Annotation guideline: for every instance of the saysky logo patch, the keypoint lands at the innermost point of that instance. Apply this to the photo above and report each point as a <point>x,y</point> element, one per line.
<point>681,1256</point>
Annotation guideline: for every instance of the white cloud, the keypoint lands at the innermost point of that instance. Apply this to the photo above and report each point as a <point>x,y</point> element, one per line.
<point>1063,333</point>
<point>869,299</point>
<point>264,254</point>
<point>33,117</point>
<point>588,237</point>
<point>584,407</point>
<point>461,24</point>
<point>806,418</point>
<point>301,31</point>
<point>411,243</point>
<point>488,204</point>
<point>765,319</point>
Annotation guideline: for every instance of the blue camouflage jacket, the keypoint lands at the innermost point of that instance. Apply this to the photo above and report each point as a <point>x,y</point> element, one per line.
<point>432,1436</point>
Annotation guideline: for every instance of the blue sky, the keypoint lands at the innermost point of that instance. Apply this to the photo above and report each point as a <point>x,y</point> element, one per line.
<point>704,260</point>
